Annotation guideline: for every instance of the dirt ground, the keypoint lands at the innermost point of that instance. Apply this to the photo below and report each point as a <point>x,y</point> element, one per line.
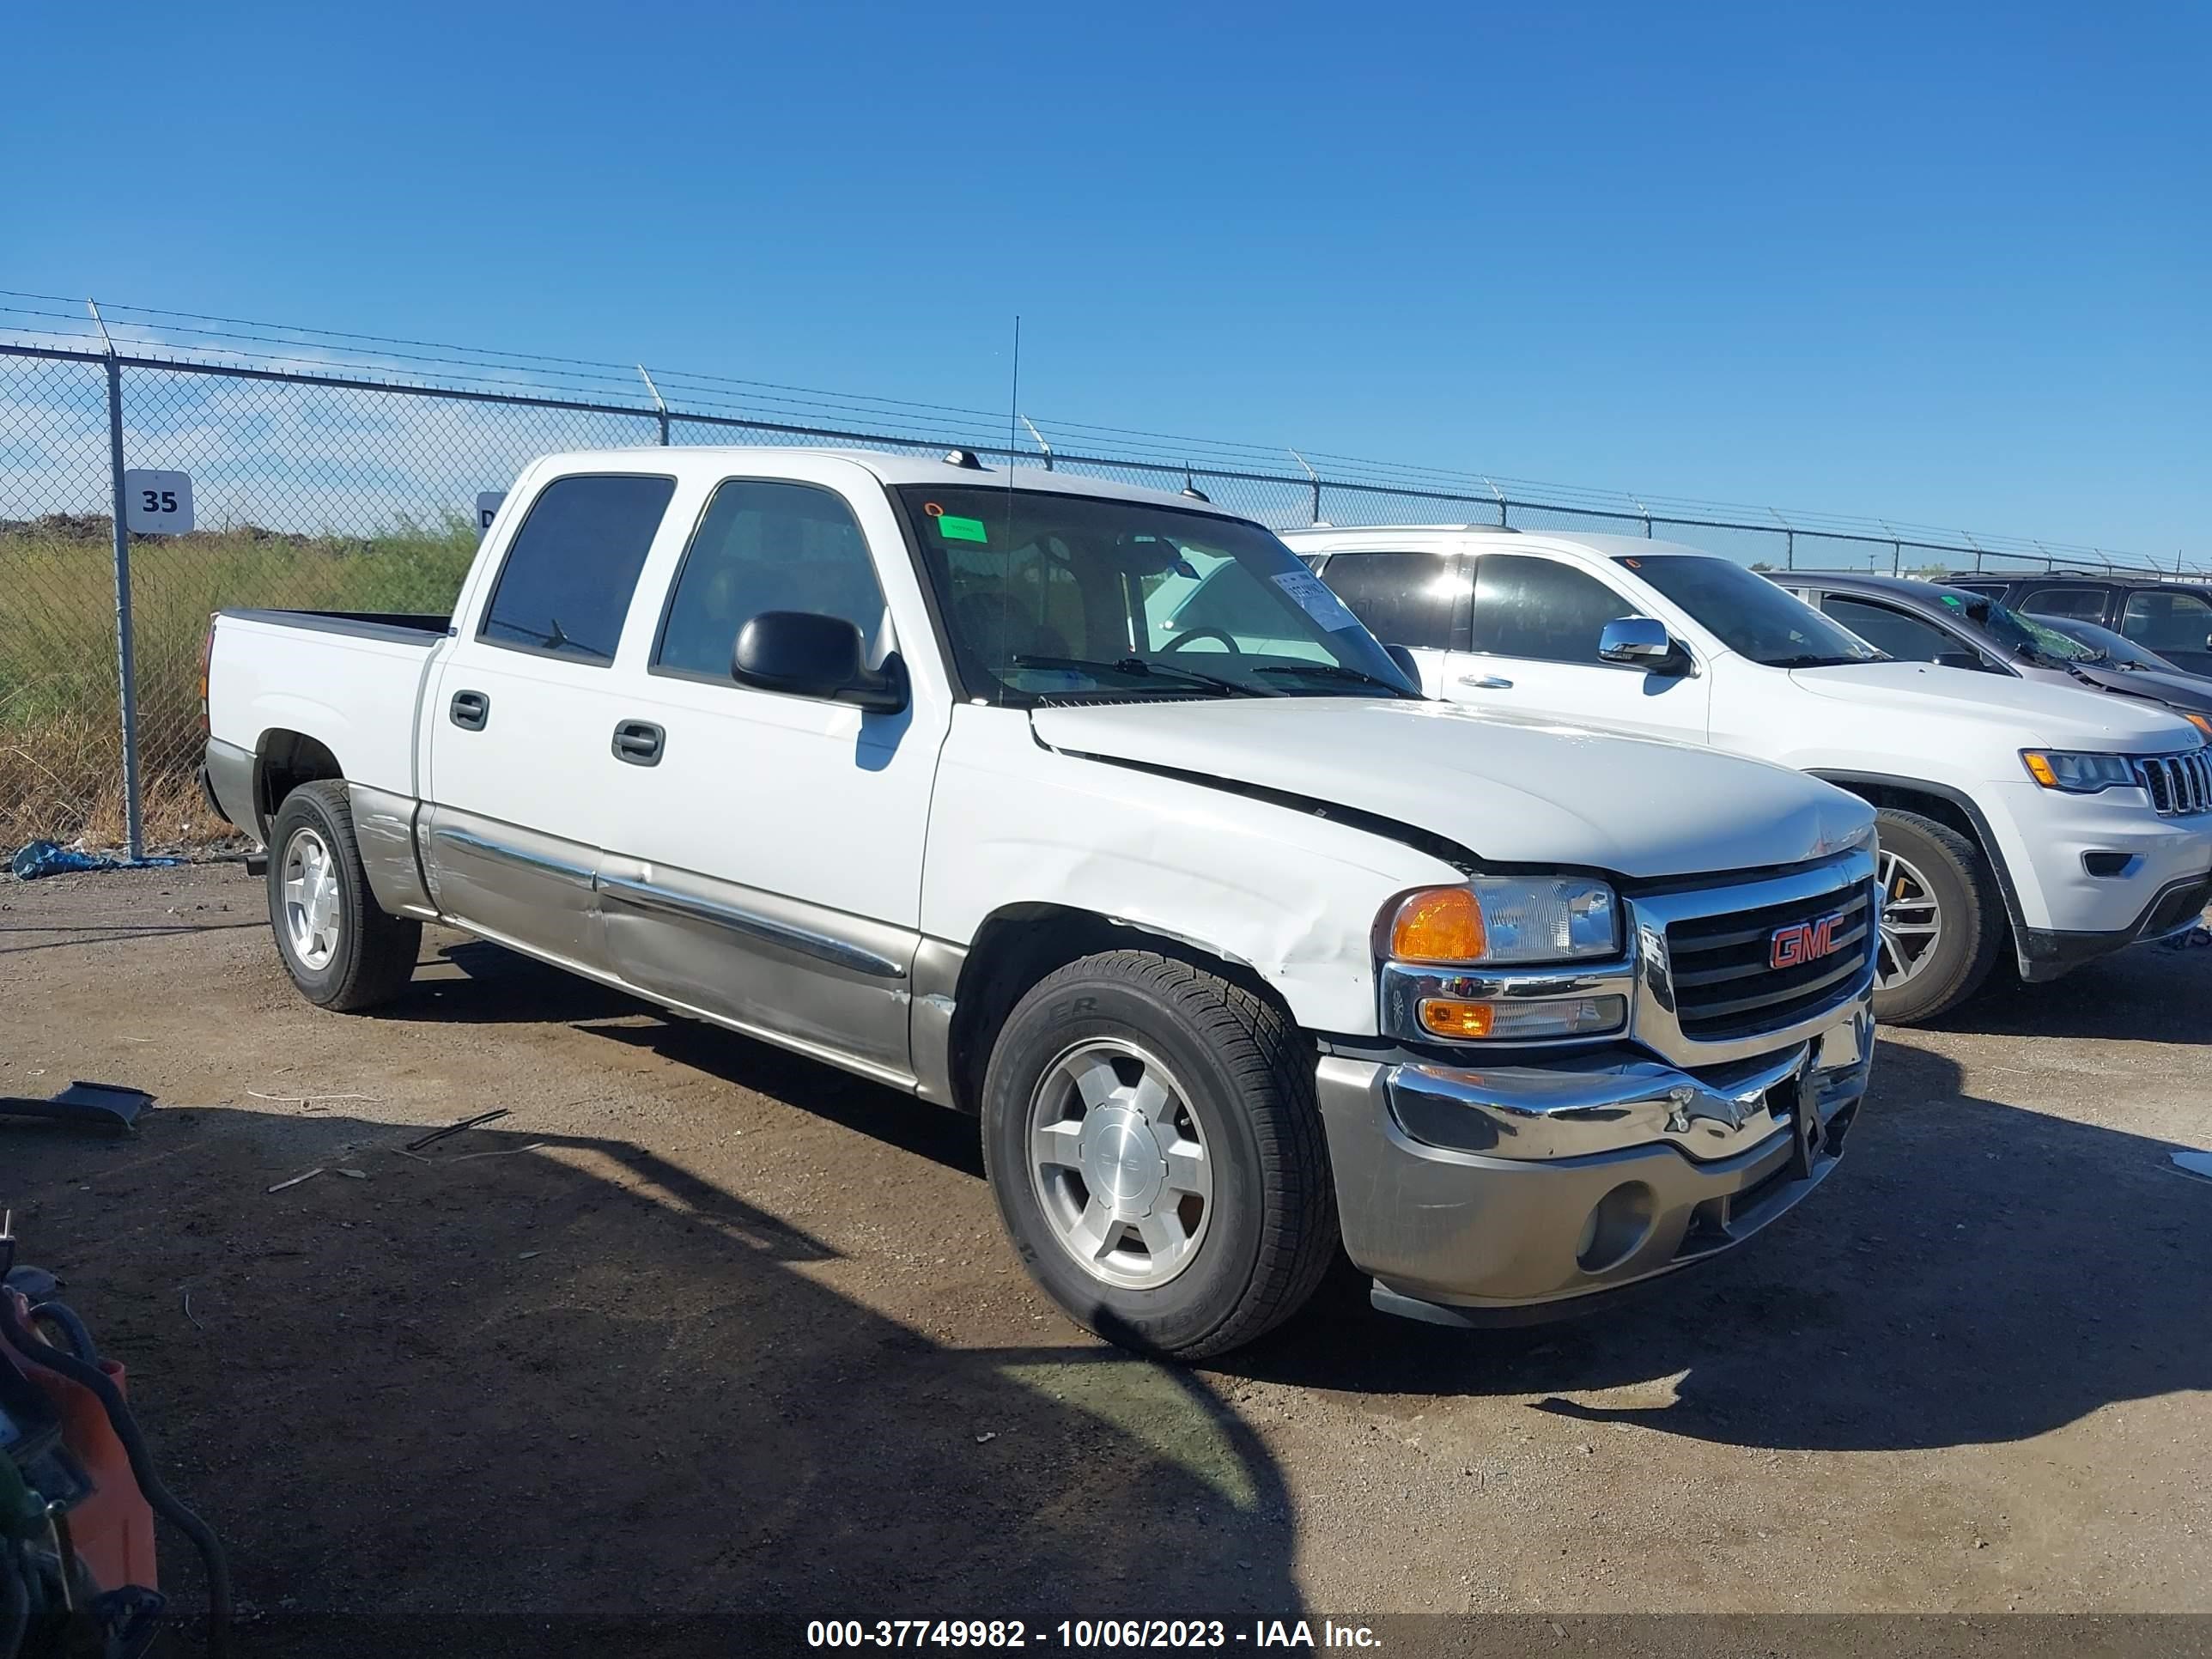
<point>722,1331</point>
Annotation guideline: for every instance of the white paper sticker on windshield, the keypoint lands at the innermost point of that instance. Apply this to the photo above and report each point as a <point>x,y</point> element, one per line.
<point>1314,598</point>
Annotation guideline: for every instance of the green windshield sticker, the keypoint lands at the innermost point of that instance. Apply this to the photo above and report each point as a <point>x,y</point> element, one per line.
<point>1954,601</point>
<point>960,530</point>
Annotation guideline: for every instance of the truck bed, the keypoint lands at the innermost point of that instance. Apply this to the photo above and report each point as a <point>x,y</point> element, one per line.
<point>349,680</point>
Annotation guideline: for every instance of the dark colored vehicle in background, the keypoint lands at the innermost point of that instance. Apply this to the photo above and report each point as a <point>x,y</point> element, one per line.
<point>2172,618</point>
<point>1931,622</point>
<point>2124,651</point>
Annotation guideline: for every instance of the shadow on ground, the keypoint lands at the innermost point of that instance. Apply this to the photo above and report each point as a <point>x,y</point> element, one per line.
<point>575,1383</point>
<point>1975,1272</point>
<point>2146,993</point>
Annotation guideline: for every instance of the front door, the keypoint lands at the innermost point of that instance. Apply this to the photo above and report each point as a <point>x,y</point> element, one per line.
<point>1535,633</point>
<point>764,863</point>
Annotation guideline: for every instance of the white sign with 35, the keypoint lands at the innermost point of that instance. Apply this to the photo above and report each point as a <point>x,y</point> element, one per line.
<point>156,503</point>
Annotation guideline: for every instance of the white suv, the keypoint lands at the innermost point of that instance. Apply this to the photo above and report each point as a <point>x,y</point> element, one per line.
<point>2061,822</point>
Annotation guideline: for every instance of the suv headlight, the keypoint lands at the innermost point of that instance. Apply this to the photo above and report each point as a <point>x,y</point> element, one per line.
<point>2077,773</point>
<point>1506,920</point>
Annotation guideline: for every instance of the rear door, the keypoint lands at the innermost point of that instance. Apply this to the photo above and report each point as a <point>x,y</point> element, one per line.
<point>1534,634</point>
<point>520,717</point>
<point>1418,600</point>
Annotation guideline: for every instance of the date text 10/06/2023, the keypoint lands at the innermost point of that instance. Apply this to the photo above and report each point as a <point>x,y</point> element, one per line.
<point>1087,1634</point>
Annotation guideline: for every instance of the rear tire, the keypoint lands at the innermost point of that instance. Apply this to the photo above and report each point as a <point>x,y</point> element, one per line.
<point>1932,876</point>
<point>1151,1134</point>
<point>341,949</point>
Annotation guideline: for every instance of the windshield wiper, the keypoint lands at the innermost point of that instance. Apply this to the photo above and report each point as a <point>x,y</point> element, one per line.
<point>1337,671</point>
<point>1816,660</point>
<point>1139,668</point>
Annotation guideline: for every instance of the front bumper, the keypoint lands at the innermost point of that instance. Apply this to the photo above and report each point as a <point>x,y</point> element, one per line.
<point>1515,1194</point>
<point>2052,842</point>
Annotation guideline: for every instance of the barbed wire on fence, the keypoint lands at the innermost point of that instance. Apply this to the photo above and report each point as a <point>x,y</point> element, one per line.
<point>340,471</point>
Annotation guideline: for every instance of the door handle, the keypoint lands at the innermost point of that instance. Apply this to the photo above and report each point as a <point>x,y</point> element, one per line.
<point>1485,682</point>
<point>469,710</point>
<point>639,742</point>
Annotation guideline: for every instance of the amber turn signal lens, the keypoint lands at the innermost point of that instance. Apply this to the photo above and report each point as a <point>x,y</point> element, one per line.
<point>1448,1018</point>
<point>2040,770</point>
<point>1438,924</point>
<point>2200,722</point>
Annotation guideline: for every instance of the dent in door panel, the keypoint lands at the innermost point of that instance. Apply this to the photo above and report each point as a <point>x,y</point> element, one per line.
<point>827,979</point>
<point>384,829</point>
<point>516,883</point>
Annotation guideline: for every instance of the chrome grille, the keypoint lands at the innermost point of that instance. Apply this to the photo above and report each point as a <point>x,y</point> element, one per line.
<point>2178,785</point>
<point>1722,967</point>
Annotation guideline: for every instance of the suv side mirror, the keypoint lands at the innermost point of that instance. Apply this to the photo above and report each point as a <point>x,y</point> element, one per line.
<point>1642,643</point>
<point>805,656</point>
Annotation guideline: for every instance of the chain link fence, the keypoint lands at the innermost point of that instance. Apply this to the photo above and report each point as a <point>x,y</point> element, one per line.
<point>355,491</point>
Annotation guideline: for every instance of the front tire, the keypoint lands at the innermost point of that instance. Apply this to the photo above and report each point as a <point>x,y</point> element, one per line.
<point>341,949</point>
<point>1942,921</point>
<point>1151,1134</point>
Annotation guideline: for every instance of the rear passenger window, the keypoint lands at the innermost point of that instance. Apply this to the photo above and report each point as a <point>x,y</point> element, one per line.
<point>566,585</point>
<point>2082,603</point>
<point>2168,622</point>
<point>1404,598</point>
<point>765,546</point>
<point>1906,638</point>
<point>1541,610</point>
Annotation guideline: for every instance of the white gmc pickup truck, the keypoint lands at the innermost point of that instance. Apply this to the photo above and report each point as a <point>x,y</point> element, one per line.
<point>2044,824</point>
<point>1236,944</point>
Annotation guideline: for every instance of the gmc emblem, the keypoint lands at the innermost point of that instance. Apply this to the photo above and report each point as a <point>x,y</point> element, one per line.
<point>1803,941</point>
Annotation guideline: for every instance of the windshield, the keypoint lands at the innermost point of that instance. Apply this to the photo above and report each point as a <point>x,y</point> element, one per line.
<point>2019,635</point>
<point>1048,595</point>
<point>1751,616</point>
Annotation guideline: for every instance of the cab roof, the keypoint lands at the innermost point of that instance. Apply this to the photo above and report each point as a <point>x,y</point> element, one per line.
<point>889,468</point>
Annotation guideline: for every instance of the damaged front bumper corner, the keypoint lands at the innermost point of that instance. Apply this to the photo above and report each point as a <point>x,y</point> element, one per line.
<point>1515,1194</point>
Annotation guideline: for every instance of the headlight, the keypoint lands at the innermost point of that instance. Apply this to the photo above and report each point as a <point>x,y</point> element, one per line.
<point>1507,919</point>
<point>2077,774</point>
<point>2203,723</point>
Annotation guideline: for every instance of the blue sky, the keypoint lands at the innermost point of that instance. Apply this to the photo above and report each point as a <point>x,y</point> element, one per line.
<point>1949,264</point>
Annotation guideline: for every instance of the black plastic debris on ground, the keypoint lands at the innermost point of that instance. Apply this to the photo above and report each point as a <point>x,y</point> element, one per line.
<point>82,1105</point>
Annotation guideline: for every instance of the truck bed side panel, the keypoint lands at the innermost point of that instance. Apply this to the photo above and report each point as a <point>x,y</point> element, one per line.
<point>354,689</point>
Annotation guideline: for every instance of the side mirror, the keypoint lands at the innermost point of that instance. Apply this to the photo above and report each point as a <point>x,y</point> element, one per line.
<point>805,656</point>
<point>1642,643</point>
<point>1409,664</point>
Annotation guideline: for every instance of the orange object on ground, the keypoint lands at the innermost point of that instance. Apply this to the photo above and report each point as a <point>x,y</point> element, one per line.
<point>112,1530</point>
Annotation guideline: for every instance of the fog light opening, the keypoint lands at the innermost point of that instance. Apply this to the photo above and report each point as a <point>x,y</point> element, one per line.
<point>1615,1227</point>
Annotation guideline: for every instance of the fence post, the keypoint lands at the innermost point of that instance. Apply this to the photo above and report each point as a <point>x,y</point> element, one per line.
<point>657,404</point>
<point>125,668</point>
<point>1313,480</point>
<point>1041,443</point>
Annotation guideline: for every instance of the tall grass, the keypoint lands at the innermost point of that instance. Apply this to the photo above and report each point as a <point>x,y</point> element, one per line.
<point>61,740</point>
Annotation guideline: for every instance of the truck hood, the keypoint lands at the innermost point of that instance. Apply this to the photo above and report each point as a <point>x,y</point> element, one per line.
<point>2031,713</point>
<point>1509,790</point>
